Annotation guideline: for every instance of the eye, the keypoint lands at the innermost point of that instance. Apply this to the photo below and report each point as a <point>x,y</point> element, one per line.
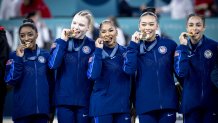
<point>198,25</point>
<point>22,35</point>
<point>190,25</point>
<point>111,30</point>
<point>143,24</point>
<point>30,34</point>
<point>81,25</point>
<point>103,32</point>
<point>151,24</point>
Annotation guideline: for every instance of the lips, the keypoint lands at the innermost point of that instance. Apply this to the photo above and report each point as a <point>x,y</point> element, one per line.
<point>107,39</point>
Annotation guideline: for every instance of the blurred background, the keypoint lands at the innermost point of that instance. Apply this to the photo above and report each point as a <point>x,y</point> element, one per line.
<point>51,16</point>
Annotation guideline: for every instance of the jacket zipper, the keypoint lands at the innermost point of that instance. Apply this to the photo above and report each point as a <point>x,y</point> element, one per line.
<point>158,83</point>
<point>202,81</point>
<point>37,107</point>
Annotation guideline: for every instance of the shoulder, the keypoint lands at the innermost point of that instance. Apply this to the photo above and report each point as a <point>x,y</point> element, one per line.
<point>210,41</point>
<point>122,48</point>
<point>167,41</point>
<point>44,53</point>
<point>90,42</point>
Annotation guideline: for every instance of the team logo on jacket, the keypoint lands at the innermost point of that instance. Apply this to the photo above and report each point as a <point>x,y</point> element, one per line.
<point>208,54</point>
<point>162,49</point>
<point>41,59</point>
<point>86,49</point>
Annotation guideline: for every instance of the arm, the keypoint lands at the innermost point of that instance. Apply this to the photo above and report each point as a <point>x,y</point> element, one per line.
<point>58,50</point>
<point>4,53</point>
<point>130,60</point>
<point>57,53</point>
<point>95,62</point>
<point>95,65</point>
<point>181,61</point>
<point>14,69</point>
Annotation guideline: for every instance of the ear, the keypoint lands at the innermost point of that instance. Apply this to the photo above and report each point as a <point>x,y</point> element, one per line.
<point>88,28</point>
<point>204,28</point>
<point>36,35</point>
<point>139,27</point>
<point>157,26</point>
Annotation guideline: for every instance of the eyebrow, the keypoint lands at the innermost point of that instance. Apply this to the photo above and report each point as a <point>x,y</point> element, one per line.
<point>27,32</point>
<point>147,22</point>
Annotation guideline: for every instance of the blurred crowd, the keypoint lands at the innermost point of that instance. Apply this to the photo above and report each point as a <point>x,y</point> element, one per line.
<point>38,10</point>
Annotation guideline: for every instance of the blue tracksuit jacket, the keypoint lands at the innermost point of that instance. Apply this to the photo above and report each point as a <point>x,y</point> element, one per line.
<point>155,86</point>
<point>72,84</point>
<point>111,91</point>
<point>195,66</point>
<point>32,80</point>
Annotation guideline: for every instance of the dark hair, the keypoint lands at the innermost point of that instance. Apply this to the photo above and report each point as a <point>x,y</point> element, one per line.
<point>107,21</point>
<point>149,11</point>
<point>200,16</point>
<point>28,23</point>
<point>114,20</point>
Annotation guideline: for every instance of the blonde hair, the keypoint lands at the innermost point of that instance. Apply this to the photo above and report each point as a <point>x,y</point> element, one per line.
<point>87,14</point>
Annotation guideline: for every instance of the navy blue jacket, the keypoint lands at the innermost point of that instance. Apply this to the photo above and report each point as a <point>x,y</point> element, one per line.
<point>32,80</point>
<point>155,86</point>
<point>72,84</point>
<point>111,91</point>
<point>195,66</point>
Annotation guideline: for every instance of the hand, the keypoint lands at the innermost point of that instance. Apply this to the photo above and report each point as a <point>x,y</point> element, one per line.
<point>99,43</point>
<point>65,34</point>
<point>20,50</point>
<point>136,37</point>
<point>183,38</point>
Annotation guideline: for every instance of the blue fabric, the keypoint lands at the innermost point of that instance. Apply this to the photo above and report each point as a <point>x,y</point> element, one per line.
<point>33,119</point>
<point>72,84</point>
<point>201,116</point>
<point>195,69</point>
<point>113,118</point>
<point>161,116</point>
<point>154,87</point>
<point>111,91</point>
<point>73,114</point>
<point>32,81</point>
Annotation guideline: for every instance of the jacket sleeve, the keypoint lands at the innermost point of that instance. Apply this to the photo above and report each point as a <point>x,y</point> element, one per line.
<point>3,54</point>
<point>57,54</point>
<point>14,69</point>
<point>95,64</point>
<point>181,61</point>
<point>130,59</point>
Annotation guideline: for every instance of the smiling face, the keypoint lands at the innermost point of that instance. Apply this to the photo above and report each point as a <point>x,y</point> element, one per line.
<point>79,26</point>
<point>28,37</point>
<point>148,26</point>
<point>196,26</point>
<point>108,32</point>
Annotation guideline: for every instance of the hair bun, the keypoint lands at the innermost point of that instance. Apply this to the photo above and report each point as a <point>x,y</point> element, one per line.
<point>150,9</point>
<point>27,21</point>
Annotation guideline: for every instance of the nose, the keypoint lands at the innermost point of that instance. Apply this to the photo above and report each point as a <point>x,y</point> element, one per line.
<point>107,33</point>
<point>26,38</point>
<point>76,26</point>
